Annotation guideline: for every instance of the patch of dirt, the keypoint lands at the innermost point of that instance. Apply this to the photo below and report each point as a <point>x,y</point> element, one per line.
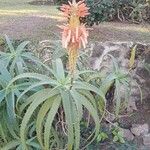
<point>40,27</point>
<point>115,31</point>
<point>32,27</point>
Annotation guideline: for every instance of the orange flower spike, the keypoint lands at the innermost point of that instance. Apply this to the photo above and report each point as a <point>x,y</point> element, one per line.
<point>74,34</point>
<point>78,32</point>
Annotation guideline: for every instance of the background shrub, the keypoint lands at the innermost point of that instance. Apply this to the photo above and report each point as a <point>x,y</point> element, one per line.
<point>135,11</point>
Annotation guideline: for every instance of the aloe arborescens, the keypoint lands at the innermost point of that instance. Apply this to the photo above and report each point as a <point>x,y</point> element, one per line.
<point>74,33</point>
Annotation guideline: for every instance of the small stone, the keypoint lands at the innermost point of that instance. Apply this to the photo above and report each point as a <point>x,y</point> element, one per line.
<point>131,106</point>
<point>110,117</point>
<point>143,73</point>
<point>146,139</point>
<point>127,134</point>
<point>138,129</point>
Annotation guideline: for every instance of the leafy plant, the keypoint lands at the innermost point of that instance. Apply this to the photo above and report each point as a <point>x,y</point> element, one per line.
<point>9,125</point>
<point>118,135</point>
<point>135,11</point>
<point>15,142</point>
<point>8,96</point>
<point>60,92</point>
<point>18,60</point>
<point>140,11</point>
<point>115,78</point>
<point>102,136</point>
<point>132,58</point>
<point>147,67</point>
<point>121,80</point>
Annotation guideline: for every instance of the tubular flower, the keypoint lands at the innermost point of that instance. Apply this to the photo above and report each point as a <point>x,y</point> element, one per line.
<point>74,33</point>
<point>80,7</point>
<point>77,36</point>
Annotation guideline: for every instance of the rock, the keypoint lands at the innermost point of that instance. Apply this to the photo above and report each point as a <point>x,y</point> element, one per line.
<point>143,73</point>
<point>146,139</point>
<point>100,60</point>
<point>98,51</point>
<point>125,122</point>
<point>127,134</point>
<point>131,106</point>
<point>110,117</point>
<point>138,129</point>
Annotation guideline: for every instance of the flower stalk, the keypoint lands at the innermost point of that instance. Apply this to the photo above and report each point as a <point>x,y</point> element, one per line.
<point>74,33</point>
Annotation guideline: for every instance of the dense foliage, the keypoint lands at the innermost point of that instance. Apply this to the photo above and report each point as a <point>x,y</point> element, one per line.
<point>135,11</point>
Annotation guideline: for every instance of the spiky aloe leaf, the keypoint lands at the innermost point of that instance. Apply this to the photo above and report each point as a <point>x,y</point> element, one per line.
<point>50,118</point>
<point>117,96</point>
<point>77,119</point>
<point>40,118</point>
<point>76,98</point>
<point>51,82</point>
<point>93,113</point>
<point>47,93</point>
<point>59,70</point>
<point>89,87</point>
<point>89,97</point>
<point>9,43</point>
<point>67,105</point>
<point>132,57</point>
<point>11,145</point>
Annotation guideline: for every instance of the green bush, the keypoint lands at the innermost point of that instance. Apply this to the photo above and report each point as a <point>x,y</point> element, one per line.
<point>135,11</point>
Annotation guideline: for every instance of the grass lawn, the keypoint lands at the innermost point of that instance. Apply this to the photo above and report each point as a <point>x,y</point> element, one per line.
<point>21,7</point>
<point>20,20</point>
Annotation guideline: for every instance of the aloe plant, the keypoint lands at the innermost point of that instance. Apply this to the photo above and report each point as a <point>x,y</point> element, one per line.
<point>8,96</point>
<point>59,92</point>
<point>117,78</point>
<point>11,141</point>
<point>8,113</point>
<point>18,60</point>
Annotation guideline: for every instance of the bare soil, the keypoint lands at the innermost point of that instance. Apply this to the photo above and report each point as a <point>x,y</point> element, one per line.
<point>30,27</point>
<point>40,27</point>
<point>116,31</point>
